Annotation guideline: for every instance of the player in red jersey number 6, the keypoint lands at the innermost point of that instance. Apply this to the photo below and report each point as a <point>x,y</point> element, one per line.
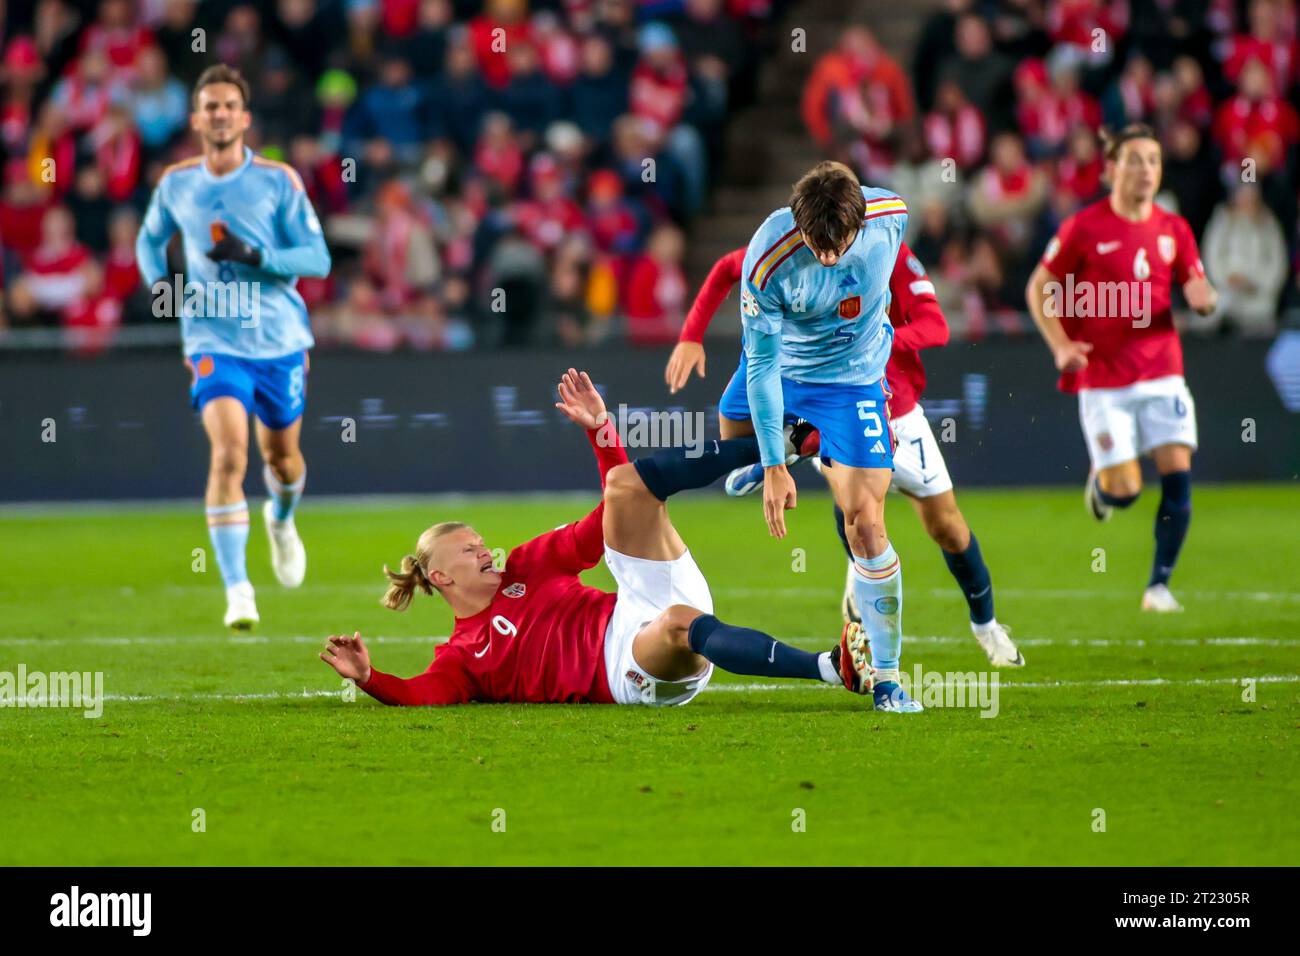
<point>1101,297</point>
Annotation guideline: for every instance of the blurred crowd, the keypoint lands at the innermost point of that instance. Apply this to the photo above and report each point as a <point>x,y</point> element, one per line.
<point>496,173</point>
<point>991,138</point>
<point>523,172</point>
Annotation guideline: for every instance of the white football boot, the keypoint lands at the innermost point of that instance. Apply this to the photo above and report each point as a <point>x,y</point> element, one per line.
<point>1092,501</point>
<point>996,640</point>
<point>288,556</point>
<point>747,479</point>
<point>241,608</point>
<point>1157,598</point>
<point>849,603</point>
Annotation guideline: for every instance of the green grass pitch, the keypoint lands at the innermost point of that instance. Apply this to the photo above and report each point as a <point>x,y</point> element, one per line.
<point>1142,718</point>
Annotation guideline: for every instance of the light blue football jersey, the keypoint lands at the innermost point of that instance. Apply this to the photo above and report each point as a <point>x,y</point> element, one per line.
<point>229,308</point>
<point>831,321</point>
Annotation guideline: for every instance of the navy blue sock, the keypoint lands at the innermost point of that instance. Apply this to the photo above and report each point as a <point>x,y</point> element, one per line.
<point>972,575</point>
<point>1172,519</point>
<point>671,470</point>
<point>743,650</point>
<point>839,529</point>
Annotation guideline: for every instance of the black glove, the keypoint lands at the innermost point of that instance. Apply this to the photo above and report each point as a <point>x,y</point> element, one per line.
<point>233,249</point>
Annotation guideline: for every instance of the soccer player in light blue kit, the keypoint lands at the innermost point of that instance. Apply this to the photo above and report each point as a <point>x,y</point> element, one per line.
<point>814,294</point>
<point>248,231</point>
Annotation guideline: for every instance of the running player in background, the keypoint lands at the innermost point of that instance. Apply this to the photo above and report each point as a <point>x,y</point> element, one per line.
<point>1101,297</point>
<point>920,472</point>
<point>247,231</point>
<point>534,633</point>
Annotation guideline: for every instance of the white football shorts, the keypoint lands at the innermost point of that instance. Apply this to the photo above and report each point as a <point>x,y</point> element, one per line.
<point>1120,424</point>
<point>919,468</point>
<point>645,590</point>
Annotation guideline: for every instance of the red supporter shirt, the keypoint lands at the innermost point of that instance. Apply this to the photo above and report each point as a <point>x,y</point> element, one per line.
<point>542,639</point>
<point>913,311</point>
<point>1096,246</point>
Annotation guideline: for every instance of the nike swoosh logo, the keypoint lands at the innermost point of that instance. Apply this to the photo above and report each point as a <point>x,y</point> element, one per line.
<point>485,650</point>
<point>771,657</point>
<point>982,593</point>
<point>926,481</point>
<point>1105,247</point>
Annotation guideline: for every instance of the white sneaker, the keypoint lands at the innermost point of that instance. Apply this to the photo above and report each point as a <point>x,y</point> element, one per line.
<point>996,640</point>
<point>1092,501</point>
<point>1157,598</point>
<point>744,480</point>
<point>241,608</point>
<point>849,603</point>
<point>288,556</point>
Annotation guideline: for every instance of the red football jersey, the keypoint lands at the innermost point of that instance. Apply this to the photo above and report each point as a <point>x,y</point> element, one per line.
<point>918,324</point>
<point>542,639</point>
<point>1116,280</point>
<point>913,311</point>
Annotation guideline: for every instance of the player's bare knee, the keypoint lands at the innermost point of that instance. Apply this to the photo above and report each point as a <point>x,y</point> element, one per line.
<point>865,530</point>
<point>283,464</point>
<point>623,484</point>
<point>677,624</point>
<point>1120,484</point>
<point>229,461</point>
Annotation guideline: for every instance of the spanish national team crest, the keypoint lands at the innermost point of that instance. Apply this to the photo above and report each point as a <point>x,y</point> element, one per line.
<point>1105,441</point>
<point>850,307</point>
<point>515,590</point>
<point>1165,246</point>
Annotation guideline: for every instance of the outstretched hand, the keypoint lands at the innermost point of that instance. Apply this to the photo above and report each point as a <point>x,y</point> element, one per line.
<point>348,656</point>
<point>687,357</point>
<point>580,401</point>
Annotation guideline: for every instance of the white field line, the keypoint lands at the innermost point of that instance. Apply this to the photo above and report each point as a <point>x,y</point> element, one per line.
<point>826,593</point>
<point>921,640</point>
<point>1083,594</point>
<point>732,688</point>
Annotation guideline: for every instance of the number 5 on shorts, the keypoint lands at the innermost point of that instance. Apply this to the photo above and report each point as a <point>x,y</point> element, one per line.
<point>867,413</point>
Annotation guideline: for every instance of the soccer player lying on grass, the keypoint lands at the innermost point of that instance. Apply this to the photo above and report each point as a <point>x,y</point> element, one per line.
<point>920,472</point>
<point>534,633</point>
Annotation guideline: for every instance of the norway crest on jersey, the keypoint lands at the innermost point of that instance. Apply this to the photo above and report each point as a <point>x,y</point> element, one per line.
<point>515,590</point>
<point>850,307</point>
<point>1165,246</point>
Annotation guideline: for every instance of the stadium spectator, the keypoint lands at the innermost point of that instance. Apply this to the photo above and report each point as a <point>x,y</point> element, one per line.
<point>160,103</point>
<point>1245,256</point>
<point>400,258</point>
<point>841,76</point>
<point>458,97</point>
<point>501,26</point>
<point>937,44</point>
<point>1131,98</point>
<point>657,294</point>
<point>599,94</point>
<point>982,73</point>
<point>1008,194</point>
<point>925,177</point>
<point>388,118</point>
<point>1189,175</point>
<point>1271,40</point>
<point>59,275</point>
<point>1256,124</point>
<point>955,129</point>
<point>90,206</point>
<point>531,102</point>
<point>1078,173</point>
<point>658,94</point>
